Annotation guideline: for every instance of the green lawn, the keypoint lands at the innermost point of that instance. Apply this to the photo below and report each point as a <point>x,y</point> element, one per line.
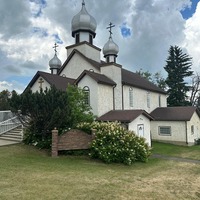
<point>192,152</point>
<point>27,173</point>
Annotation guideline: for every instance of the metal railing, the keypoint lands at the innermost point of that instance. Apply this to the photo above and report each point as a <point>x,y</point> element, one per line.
<point>5,115</point>
<point>9,124</point>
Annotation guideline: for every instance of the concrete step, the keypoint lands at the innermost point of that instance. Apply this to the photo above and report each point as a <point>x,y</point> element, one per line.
<point>13,135</point>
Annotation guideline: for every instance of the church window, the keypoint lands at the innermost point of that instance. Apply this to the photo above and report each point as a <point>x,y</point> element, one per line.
<point>131,97</point>
<point>192,129</point>
<point>86,91</point>
<point>77,38</point>
<point>159,100</point>
<point>164,130</point>
<point>148,99</point>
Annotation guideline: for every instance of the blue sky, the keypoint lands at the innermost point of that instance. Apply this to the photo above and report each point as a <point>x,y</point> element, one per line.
<point>143,30</point>
<point>189,11</point>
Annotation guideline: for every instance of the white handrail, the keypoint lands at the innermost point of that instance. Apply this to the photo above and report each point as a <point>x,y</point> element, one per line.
<point>9,124</point>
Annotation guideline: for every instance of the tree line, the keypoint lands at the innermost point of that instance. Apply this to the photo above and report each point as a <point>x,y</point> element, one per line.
<point>182,84</point>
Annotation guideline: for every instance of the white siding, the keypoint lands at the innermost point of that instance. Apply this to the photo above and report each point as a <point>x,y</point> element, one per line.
<point>140,99</point>
<point>36,85</point>
<point>142,120</point>
<point>76,66</point>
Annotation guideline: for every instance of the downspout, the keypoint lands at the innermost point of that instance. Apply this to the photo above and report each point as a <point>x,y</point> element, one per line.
<point>122,97</point>
<point>186,132</point>
<point>114,97</point>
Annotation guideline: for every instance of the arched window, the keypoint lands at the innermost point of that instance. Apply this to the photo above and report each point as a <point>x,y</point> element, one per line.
<point>86,91</point>
<point>131,97</point>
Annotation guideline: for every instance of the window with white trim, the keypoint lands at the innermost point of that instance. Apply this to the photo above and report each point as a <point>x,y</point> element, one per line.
<point>131,97</point>
<point>164,130</point>
<point>86,91</point>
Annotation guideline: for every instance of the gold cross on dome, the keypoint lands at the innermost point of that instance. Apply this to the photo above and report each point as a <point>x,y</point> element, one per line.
<point>111,25</point>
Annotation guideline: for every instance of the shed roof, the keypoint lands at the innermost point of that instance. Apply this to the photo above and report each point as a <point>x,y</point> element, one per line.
<point>182,113</point>
<point>125,116</point>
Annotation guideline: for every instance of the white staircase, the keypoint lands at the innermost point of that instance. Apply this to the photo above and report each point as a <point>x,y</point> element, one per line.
<point>14,135</point>
<point>11,131</point>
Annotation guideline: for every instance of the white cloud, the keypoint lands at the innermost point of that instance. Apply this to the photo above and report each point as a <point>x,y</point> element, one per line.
<point>10,86</point>
<point>14,17</point>
<point>28,29</point>
<point>192,36</point>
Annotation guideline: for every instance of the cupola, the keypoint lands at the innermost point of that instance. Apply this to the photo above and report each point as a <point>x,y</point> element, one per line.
<point>55,63</point>
<point>110,49</point>
<point>83,26</point>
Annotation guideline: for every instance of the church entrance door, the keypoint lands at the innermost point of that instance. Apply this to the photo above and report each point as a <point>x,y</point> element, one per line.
<point>140,130</point>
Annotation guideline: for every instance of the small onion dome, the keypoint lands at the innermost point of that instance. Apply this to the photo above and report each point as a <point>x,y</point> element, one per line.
<point>83,21</point>
<point>110,48</point>
<point>55,62</point>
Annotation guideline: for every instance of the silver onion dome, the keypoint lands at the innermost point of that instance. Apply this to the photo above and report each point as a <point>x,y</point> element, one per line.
<point>55,62</point>
<point>83,21</point>
<point>110,48</point>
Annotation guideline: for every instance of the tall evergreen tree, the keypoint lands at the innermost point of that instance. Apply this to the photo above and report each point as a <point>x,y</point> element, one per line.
<point>178,68</point>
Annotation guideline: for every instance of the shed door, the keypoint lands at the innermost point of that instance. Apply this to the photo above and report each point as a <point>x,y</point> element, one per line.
<point>141,130</point>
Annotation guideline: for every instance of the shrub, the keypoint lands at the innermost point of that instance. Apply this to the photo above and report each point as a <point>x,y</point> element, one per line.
<point>113,143</point>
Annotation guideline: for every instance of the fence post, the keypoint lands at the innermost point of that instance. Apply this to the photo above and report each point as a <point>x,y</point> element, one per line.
<point>54,147</point>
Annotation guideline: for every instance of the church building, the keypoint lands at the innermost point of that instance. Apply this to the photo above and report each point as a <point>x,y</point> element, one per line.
<point>113,92</point>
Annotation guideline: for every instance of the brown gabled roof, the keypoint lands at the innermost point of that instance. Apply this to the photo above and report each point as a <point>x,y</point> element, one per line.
<point>174,113</point>
<point>125,116</point>
<point>135,80</point>
<point>92,62</point>
<point>58,81</point>
<point>99,78</point>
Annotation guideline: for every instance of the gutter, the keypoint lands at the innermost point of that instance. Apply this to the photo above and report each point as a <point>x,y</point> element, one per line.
<point>114,97</point>
<point>122,96</point>
<point>186,132</point>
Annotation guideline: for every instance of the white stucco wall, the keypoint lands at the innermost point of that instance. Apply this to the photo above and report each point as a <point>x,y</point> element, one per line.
<point>101,96</point>
<point>114,73</point>
<point>105,99</point>
<point>76,66</point>
<point>140,99</point>
<point>142,120</point>
<point>178,131</point>
<point>36,85</point>
<point>93,86</point>
<point>195,122</point>
<point>87,50</point>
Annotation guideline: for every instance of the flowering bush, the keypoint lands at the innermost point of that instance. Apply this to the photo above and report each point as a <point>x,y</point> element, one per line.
<point>113,143</point>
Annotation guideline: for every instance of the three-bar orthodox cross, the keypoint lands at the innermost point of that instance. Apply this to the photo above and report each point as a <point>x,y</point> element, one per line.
<point>111,25</point>
<point>54,47</point>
